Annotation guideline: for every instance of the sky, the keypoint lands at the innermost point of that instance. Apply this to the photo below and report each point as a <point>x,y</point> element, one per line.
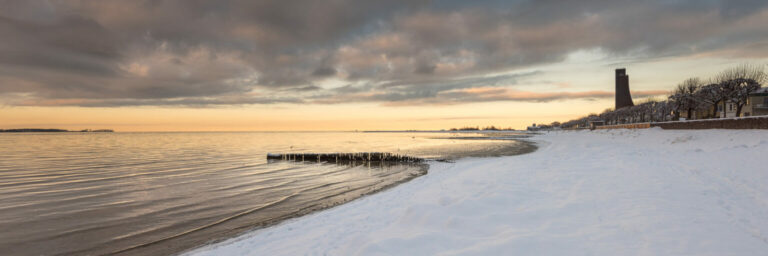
<point>232,65</point>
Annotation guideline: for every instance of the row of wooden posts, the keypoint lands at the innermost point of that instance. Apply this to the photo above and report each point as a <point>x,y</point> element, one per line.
<point>345,157</point>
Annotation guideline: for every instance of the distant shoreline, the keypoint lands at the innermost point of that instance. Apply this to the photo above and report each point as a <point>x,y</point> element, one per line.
<point>53,130</point>
<point>440,131</point>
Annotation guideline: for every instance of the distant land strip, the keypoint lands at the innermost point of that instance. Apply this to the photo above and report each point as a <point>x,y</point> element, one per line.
<point>52,130</point>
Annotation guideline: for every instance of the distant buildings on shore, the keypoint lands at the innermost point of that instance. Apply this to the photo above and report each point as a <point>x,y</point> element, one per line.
<point>544,127</point>
<point>734,92</point>
<point>757,105</point>
<point>758,102</point>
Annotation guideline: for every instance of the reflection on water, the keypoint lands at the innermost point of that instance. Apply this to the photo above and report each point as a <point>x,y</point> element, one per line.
<point>159,193</point>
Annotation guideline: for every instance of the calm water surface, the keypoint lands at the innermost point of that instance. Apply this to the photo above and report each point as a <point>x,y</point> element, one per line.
<point>161,193</point>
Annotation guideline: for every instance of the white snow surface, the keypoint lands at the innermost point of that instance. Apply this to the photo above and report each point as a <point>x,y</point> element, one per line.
<point>606,192</point>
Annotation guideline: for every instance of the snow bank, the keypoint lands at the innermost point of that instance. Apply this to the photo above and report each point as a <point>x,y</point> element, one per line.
<point>608,192</point>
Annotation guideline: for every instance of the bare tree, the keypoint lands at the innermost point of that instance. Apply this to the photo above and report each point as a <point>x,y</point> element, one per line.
<point>744,71</point>
<point>745,87</point>
<point>661,111</point>
<point>738,82</point>
<point>688,89</point>
<point>677,101</point>
<point>607,116</point>
<point>576,123</point>
<point>710,95</point>
<point>646,109</point>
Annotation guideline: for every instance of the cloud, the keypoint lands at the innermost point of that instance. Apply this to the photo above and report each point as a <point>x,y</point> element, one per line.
<point>187,102</point>
<point>475,94</point>
<point>485,94</point>
<point>404,90</point>
<point>324,72</point>
<point>171,52</point>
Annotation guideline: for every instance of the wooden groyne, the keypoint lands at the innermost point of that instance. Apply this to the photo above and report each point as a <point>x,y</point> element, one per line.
<point>345,157</point>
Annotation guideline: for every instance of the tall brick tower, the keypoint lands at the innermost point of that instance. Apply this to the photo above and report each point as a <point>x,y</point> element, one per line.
<point>623,98</point>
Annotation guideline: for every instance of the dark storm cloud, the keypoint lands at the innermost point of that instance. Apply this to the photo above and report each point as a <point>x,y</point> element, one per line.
<point>68,45</point>
<point>174,52</point>
<point>425,69</point>
<point>324,71</point>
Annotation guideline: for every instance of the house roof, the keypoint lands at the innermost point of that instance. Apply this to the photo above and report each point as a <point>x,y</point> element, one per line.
<point>761,92</point>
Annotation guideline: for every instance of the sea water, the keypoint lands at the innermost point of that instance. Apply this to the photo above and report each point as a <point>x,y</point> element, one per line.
<point>161,193</point>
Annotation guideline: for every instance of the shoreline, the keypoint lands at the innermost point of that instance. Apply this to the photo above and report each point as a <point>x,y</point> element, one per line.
<point>506,146</point>
<point>429,163</point>
<point>626,196</point>
<point>506,151</point>
<point>159,247</point>
<point>233,188</point>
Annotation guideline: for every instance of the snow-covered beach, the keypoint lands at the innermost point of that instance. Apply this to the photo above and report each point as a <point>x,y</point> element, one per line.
<point>608,192</point>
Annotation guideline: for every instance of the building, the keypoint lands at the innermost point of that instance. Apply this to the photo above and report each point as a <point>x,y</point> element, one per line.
<point>623,98</point>
<point>541,127</point>
<point>595,123</point>
<point>757,104</point>
<point>728,109</point>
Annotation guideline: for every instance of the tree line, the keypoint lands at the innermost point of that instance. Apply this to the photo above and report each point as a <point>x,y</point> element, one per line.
<point>733,85</point>
<point>477,128</point>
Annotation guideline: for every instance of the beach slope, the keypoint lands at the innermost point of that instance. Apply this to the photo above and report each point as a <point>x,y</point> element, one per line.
<point>610,192</point>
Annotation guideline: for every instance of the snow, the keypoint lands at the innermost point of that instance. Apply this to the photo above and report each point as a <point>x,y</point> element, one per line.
<point>604,192</point>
